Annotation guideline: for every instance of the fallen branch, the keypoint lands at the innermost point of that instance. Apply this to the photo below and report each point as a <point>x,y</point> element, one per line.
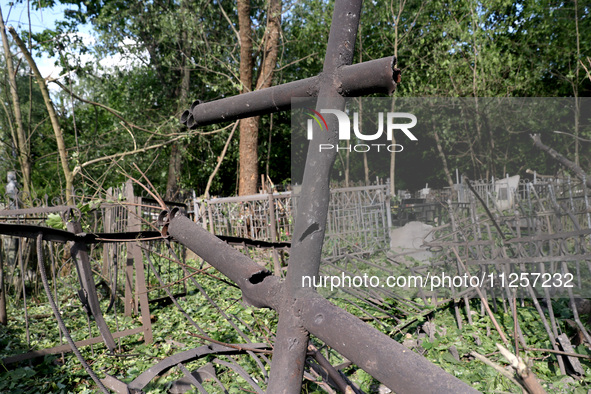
<point>499,368</point>
<point>561,159</point>
<point>110,110</point>
<point>483,300</point>
<point>528,379</point>
<point>119,155</point>
<point>330,370</point>
<point>125,121</point>
<point>585,67</point>
<point>533,349</point>
<point>220,159</point>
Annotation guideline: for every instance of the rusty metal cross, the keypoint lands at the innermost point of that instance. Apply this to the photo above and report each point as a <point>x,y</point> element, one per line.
<point>301,310</point>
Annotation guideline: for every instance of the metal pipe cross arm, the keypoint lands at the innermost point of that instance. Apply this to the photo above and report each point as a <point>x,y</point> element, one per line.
<point>375,76</point>
<point>388,361</point>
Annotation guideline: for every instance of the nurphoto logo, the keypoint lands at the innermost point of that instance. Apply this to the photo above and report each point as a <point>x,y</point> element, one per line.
<point>392,124</point>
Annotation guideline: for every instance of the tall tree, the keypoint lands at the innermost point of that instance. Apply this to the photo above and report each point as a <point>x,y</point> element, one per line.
<point>176,159</point>
<point>159,47</point>
<point>249,128</point>
<point>59,136</point>
<point>21,139</point>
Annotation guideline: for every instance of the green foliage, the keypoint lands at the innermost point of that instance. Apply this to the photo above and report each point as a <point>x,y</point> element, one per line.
<point>54,220</point>
<point>445,48</point>
<point>52,375</point>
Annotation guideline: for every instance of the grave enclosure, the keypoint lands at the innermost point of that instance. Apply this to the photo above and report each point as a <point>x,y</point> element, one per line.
<point>556,211</point>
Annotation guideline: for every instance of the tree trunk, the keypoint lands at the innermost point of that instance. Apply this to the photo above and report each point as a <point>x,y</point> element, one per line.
<point>3,315</point>
<point>450,181</point>
<point>393,159</point>
<point>59,137</point>
<point>365,163</point>
<point>249,128</point>
<point>176,159</point>
<point>21,140</point>
<point>271,44</point>
<point>174,172</point>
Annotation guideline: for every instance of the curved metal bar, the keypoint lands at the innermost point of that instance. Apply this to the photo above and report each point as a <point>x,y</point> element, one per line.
<point>189,355</point>
<point>192,378</point>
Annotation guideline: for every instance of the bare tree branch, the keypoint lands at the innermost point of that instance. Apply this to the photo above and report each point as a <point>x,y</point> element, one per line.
<point>529,381</point>
<point>123,154</point>
<point>220,159</point>
<point>561,159</point>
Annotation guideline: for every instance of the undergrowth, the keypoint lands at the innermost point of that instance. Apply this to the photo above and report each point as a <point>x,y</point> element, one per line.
<point>173,333</point>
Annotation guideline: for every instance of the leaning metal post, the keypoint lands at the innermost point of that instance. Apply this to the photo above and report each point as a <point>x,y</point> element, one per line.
<point>287,367</point>
<point>87,293</point>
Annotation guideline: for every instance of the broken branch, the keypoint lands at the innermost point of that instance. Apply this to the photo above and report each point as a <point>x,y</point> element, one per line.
<point>561,159</point>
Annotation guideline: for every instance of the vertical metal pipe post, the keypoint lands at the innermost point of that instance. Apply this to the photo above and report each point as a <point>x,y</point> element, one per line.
<point>273,228</point>
<point>140,276</point>
<point>287,368</point>
<point>129,307</point>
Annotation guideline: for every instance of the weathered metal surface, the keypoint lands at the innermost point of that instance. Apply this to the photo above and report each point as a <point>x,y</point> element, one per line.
<point>141,291</point>
<point>30,231</point>
<point>393,364</point>
<point>35,211</point>
<point>567,347</point>
<point>192,378</point>
<point>386,352</point>
<point>114,384</point>
<point>376,76</point>
<point>206,372</point>
<point>66,348</point>
<point>258,286</point>
<point>55,235</point>
<point>291,345</point>
<point>300,311</point>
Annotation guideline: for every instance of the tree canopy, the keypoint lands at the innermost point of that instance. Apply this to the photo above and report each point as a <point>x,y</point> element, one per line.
<point>121,93</point>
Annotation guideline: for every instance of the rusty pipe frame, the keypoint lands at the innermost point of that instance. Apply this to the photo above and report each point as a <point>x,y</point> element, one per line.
<point>388,361</point>
<point>375,76</point>
<point>64,209</point>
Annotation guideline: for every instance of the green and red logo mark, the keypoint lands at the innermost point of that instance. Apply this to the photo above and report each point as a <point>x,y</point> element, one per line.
<point>317,117</point>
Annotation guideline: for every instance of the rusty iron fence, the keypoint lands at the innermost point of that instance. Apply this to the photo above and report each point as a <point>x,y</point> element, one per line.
<point>123,272</point>
<point>359,218</point>
<point>109,275</point>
